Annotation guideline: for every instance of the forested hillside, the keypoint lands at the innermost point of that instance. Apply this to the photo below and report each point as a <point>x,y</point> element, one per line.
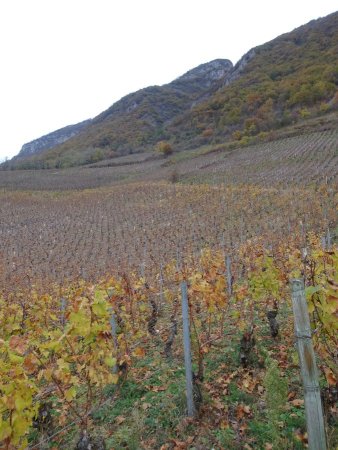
<point>291,79</point>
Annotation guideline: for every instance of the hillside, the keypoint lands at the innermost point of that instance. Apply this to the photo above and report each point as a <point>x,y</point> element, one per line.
<point>289,79</point>
<point>90,300</point>
<point>51,140</point>
<point>135,121</point>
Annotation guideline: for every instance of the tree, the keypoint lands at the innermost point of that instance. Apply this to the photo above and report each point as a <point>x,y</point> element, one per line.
<point>164,147</point>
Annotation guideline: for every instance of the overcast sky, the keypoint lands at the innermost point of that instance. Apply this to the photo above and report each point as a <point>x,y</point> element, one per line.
<point>63,61</point>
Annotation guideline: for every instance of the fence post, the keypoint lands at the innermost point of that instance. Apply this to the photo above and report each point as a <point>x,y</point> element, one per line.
<point>187,350</point>
<point>312,400</point>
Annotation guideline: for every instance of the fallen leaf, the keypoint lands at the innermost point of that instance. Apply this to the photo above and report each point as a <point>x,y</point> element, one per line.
<point>30,364</point>
<point>243,428</point>
<point>240,412</point>
<point>218,404</point>
<point>291,395</point>
<point>119,420</point>
<point>157,388</point>
<point>330,376</point>
<point>224,425</point>
<point>146,406</point>
<point>302,437</point>
<point>297,402</point>
<point>179,445</point>
<point>18,344</point>
<point>247,409</point>
<point>139,352</point>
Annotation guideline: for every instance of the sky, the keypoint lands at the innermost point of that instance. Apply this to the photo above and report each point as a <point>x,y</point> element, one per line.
<point>63,61</point>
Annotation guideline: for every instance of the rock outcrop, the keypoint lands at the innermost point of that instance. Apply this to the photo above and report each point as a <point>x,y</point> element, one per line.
<point>51,140</point>
<point>239,67</point>
<point>137,119</point>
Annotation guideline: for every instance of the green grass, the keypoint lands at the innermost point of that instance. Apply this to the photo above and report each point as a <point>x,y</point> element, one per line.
<point>150,409</point>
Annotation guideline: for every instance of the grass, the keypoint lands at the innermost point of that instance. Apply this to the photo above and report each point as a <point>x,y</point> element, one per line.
<point>243,408</point>
<point>144,416</point>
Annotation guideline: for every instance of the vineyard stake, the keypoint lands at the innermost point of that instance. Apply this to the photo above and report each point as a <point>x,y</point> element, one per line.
<point>323,242</point>
<point>228,268</point>
<point>161,288</point>
<point>229,276</point>
<point>328,240</point>
<point>187,350</point>
<point>312,400</point>
<point>113,327</point>
<point>63,311</point>
<point>142,269</point>
<point>304,259</point>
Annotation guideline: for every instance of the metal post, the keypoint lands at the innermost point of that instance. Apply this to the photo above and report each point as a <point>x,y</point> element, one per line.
<point>187,350</point>
<point>312,400</point>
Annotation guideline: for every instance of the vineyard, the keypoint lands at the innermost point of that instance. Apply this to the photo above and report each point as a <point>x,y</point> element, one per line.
<point>70,355</point>
<point>93,264</point>
<point>306,159</point>
<point>141,226</point>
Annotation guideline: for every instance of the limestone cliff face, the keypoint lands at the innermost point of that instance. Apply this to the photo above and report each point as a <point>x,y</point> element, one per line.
<point>205,75</point>
<point>51,140</point>
<point>139,114</point>
<point>174,97</point>
<point>237,70</point>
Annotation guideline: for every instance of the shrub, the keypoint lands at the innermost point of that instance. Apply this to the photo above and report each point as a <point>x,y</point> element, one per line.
<point>164,147</point>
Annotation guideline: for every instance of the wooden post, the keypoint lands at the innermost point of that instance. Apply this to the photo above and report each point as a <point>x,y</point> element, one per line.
<point>161,289</point>
<point>312,400</point>
<point>187,350</point>
<point>228,268</point>
<point>113,327</point>
<point>304,259</point>
<point>63,311</point>
<point>178,259</point>
<point>323,242</point>
<point>229,276</point>
<point>83,273</point>
<point>142,269</point>
<point>328,240</point>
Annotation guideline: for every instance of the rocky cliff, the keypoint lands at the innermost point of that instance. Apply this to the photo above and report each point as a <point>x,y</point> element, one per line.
<point>289,79</point>
<point>51,140</point>
<point>238,69</point>
<point>132,124</point>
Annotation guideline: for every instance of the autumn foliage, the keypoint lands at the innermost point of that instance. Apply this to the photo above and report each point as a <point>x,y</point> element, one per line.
<point>59,346</point>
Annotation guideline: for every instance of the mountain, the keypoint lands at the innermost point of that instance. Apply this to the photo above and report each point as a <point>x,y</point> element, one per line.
<point>135,121</point>
<point>288,80</point>
<point>51,140</point>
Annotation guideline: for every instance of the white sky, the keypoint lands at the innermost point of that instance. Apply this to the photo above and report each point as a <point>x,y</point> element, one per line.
<point>63,61</point>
